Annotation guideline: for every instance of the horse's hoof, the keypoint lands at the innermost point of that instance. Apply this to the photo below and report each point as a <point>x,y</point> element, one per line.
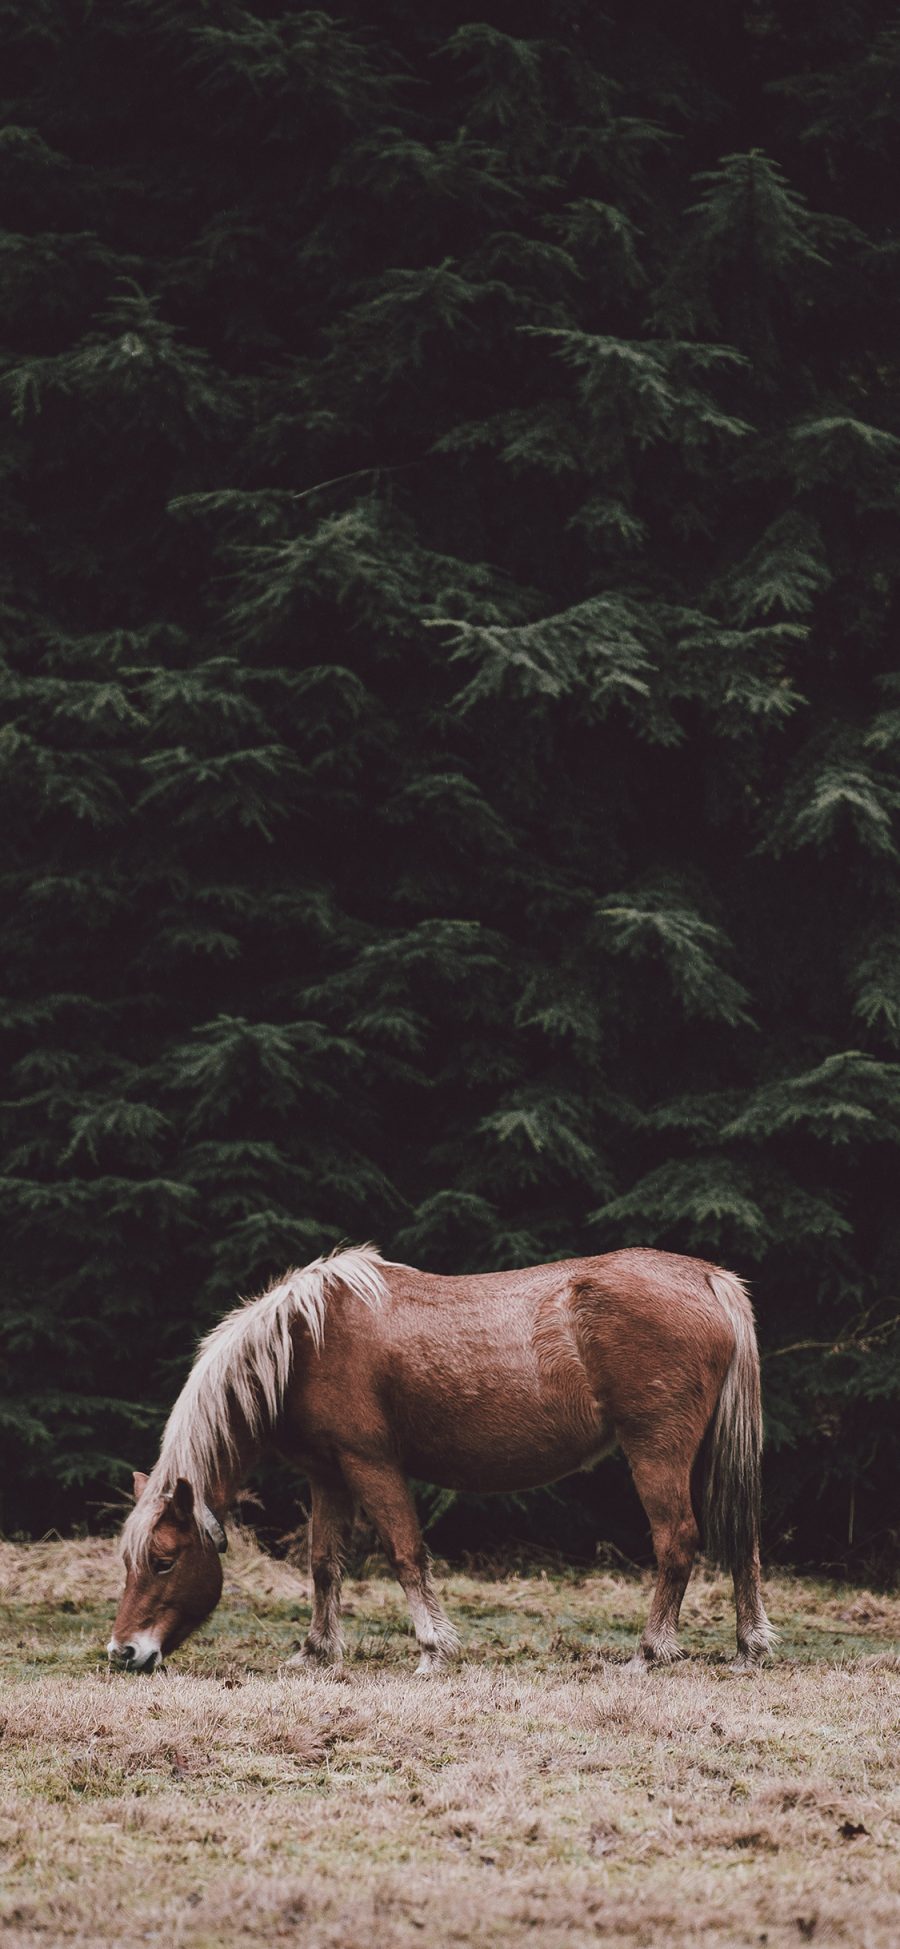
<point>637,1665</point>
<point>432,1662</point>
<point>311,1657</point>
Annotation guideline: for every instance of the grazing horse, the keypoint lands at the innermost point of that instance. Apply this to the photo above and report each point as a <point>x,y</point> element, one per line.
<point>364,1373</point>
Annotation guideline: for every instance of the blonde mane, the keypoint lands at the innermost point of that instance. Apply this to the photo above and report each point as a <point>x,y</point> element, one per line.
<point>245,1362</point>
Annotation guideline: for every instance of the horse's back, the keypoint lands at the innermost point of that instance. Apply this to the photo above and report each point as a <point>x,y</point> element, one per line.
<point>660,1299</point>
<point>508,1379</point>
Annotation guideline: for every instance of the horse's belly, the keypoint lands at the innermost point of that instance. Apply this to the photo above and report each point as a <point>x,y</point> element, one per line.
<point>491,1408</point>
<point>501,1402</point>
<point>485,1452</point>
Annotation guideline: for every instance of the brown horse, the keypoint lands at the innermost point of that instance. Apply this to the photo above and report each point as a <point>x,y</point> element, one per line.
<point>364,1373</point>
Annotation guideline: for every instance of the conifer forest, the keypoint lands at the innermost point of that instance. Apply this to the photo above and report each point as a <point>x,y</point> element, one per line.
<point>451,731</point>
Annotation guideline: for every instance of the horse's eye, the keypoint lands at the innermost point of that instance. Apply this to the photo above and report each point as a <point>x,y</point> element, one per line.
<point>161,1565</point>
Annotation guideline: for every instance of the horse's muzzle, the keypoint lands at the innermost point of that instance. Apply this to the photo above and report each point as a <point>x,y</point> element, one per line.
<point>137,1657</point>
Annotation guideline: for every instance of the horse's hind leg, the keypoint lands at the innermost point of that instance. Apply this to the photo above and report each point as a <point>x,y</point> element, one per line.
<point>665,1491</point>
<point>386,1499</point>
<point>754,1632</point>
<point>330,1522</point>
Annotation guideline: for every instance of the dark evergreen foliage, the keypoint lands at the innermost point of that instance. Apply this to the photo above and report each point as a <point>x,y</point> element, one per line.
<point>451,758</point>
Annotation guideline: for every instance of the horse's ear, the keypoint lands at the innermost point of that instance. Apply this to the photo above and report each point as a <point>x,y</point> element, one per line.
<point>139,1484</point>
<point>181,1501</point>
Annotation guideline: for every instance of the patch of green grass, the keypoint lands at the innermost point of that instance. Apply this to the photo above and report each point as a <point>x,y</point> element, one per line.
<point>552,1620</point>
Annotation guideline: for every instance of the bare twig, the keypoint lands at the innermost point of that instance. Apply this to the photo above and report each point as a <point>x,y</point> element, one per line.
<point>859,1338</point>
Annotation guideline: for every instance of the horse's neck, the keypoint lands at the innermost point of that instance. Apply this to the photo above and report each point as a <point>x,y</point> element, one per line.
<point>238,1454</point>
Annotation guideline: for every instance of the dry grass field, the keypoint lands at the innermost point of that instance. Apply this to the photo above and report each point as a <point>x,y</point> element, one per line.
<point>539,1794</point>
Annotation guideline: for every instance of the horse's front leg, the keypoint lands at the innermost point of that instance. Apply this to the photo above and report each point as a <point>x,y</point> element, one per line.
<point>330,1522</point>
<point>386,1499</point>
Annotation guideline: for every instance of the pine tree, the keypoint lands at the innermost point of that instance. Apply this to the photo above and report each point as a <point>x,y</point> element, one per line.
<point>451,750</point>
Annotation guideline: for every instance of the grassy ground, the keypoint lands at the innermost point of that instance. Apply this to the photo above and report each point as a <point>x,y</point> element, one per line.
<point>540,1793</point>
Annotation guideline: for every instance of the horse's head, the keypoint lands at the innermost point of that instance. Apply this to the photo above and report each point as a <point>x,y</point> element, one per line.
<point>172,1582</point>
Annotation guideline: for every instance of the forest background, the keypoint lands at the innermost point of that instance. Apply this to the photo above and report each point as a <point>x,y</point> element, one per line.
<point>451,749</point>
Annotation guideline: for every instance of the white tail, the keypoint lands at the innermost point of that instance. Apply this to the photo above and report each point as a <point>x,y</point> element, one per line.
<point>734,1442</point>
